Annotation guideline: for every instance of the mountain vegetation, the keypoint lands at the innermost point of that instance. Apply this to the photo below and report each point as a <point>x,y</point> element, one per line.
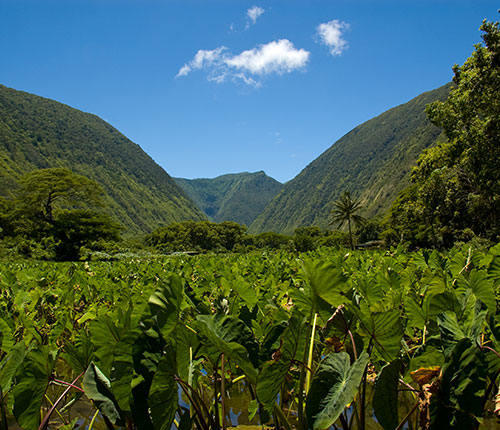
<point>455,191</point>
<point>38,133</point>
<point>239,197</point>
<point>372,162</point>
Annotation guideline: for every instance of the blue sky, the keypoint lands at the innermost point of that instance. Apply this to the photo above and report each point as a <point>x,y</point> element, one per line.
<point>208,87</point>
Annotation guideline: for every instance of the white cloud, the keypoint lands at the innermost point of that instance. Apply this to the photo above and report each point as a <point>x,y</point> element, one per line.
<point>278,57</point>
<point>274,57</point>
<point>331,35</point>
<point>252,14</point>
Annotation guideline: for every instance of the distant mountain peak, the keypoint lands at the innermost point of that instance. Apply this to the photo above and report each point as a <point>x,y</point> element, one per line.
<point>238,197</point>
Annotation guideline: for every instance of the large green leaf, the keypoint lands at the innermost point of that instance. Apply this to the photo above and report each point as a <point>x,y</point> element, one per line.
<point>385,397</point>
<point>272,336</point>
<point>384,330</point>
<point>244,290</point>
<point>32,379</point>
<point>186,345</point>
<point>98,388</point>
<point>334,386</point>
<point>481,287</point>
<point>325,280</point>
<point>165,303</point>
<point>452,331</point>
<point>426,356</point>
<point>147,353</point>
<point>6,337</point>
<point>114,344</point>
<point>230,336</point>
<point>460,398</point>
<point>416,315</point>
<point>163,393</point>
<point>274,372</point>
<point>493,257</point>
<point>10,364</point>
<point>80,353</point>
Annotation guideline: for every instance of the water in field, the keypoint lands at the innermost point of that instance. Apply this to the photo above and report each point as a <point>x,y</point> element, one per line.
<point>81,412</point>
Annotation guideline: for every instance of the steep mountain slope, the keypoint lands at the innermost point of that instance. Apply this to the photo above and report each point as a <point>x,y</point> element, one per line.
<point>372,161</point>
<point>38,133</point>
<point>236,197</point>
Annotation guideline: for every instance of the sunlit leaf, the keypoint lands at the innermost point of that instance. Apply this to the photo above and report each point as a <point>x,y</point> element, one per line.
<point>334,386</point>
<point>98,388</point>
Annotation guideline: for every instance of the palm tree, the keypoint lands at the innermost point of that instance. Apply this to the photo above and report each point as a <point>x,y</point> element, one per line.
<point>344,210</point>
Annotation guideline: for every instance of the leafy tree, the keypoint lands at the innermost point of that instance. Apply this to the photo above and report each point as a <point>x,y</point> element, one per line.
<point>368,231</point>
<point>54,207</point>
<point>46,189</point>
<point>81,227</point>
<point>199,236</point>
<point>270,240</point>
<point>456,184</point>
<point>345,210</point>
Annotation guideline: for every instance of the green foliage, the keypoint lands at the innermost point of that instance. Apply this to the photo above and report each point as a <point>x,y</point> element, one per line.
<point>385,398</point>
<point>237,197</point>
<point>197,236</point>
<point>51,215</point>
<point>221,326</point>
<point>37,133</point>
<point>374,160</point>
<point>345,210</point>
<point>455,194</point>
<point>98,389</point>
<point>32,380</point>
<point>333,388</point>
<point>43,191</point>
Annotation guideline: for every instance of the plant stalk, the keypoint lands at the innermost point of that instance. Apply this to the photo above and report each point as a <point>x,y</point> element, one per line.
<point>199,415</point>
<point>310,355</point>
<point>223,394</point>
<point>45,421</point>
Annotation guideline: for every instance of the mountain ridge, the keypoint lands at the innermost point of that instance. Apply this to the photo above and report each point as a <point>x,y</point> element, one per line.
<point>37,132</point>
<point>372,161</point>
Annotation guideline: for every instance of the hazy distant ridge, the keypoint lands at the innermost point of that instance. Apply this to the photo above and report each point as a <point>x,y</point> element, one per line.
<point>238,197</point>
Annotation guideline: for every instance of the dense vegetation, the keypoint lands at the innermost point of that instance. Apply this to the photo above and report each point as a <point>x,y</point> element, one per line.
<point>372,161</point>
<point>307,341</point>
<point>39,133</point>
<point>239,197</point>
<point>455,191</point>
<point>228,236</point>
<point>55,214</point>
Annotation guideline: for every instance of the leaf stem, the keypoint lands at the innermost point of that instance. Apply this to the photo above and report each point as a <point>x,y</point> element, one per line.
<point>45,421</point>
<point>310,355</point>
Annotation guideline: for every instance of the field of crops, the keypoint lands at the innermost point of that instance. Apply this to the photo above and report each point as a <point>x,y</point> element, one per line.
<point>329,339</point>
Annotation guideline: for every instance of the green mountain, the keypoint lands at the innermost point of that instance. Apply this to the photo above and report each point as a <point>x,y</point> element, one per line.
<point>236,197</point>
<point>373,162</point>
<point>38,133</point>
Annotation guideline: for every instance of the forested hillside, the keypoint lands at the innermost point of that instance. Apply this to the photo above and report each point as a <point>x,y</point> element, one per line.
<point>39,133</point>
<point>372,161</point>
<point>238,197</point>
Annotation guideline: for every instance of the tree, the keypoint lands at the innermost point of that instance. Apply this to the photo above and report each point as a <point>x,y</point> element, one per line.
<point>56,206</point>
<point>346,209</point>
<point>456,184</point>
<point>44,190</point>
<point>81,227</point>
